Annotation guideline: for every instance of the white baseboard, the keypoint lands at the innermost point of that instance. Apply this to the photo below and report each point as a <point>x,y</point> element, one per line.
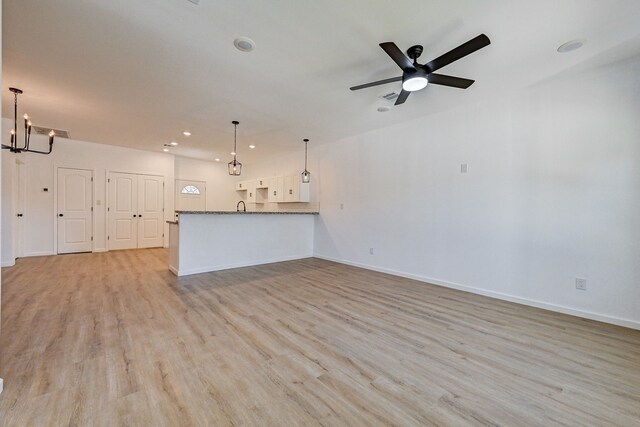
<point>174,270</point>
<point>1,385</point>
<point>498,295</point>
<point>8,263</point>
<point>208,269</point>
<point>41,253</point>
<point>97,250</point>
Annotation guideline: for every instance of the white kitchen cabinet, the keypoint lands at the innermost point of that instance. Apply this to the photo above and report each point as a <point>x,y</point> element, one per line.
<point>276,189</point>
<point>295,190</point>
<point>251,191</point>
<point>291,188</point>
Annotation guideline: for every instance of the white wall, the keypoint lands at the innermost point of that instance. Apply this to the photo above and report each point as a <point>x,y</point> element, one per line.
<point>8,210</point>
<point>552,193</point>
<point>40,171</point>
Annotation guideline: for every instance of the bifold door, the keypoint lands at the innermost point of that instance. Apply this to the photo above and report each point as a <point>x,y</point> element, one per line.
<point>74,216</point>
<point>136,211</point>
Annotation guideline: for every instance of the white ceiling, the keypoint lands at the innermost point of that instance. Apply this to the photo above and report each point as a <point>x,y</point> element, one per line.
<point>138,72</point>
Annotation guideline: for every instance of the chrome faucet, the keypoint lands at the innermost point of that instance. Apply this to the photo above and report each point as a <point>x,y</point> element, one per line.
<point>244,207</point>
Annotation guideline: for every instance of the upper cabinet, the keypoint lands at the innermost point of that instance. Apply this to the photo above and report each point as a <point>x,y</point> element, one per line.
<point>295,190</point>
<point>262,183</point>
<point>276,189</point>
<point>242,185</point>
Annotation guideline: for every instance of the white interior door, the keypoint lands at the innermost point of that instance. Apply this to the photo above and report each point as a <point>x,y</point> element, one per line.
<point>122,211</point>
<point>19,205</point>
<point>150,211</point>
<point>190,195</point>
<point>75,202</point>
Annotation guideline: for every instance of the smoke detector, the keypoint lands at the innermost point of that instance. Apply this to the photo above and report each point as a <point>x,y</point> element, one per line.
<point>571,45</point>
<point>244,44</point>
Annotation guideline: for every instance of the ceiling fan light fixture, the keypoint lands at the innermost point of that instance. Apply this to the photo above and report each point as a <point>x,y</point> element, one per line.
<point>415,81</point>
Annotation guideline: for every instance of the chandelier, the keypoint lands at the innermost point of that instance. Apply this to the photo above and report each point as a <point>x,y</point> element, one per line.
<point>13,147</point>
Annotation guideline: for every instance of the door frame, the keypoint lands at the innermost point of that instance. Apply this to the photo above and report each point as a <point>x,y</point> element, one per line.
<point>55,205</point>
<point>175,191</point>
<point>106,201</point>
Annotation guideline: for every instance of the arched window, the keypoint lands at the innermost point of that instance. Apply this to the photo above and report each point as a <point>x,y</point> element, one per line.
<point>190,189</point>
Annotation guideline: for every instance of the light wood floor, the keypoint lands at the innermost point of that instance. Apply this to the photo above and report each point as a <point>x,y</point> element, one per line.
<point>114,339</point>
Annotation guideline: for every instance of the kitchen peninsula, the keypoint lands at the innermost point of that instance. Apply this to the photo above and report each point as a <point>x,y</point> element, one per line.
<point>203,241</point>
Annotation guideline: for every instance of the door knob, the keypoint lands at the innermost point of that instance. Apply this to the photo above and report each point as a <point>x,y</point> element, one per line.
<point>60,214</point>
<point>19,215</point>
<point>135,216</point>
<point>139,216</point>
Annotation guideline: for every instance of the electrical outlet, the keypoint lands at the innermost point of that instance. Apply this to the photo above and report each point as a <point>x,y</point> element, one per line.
<point>463,168</point>
<point>581,284</point>
<point>370,251</point>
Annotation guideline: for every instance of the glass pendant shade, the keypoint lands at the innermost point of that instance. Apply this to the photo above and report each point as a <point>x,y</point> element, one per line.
<point>305,176</point>
<point>235,167</point>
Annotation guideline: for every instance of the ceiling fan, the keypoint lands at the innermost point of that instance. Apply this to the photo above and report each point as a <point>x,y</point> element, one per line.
<point>415,76</point>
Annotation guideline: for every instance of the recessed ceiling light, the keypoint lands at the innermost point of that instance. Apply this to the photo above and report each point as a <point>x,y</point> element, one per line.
<point>186,133</point>
<point>244,44</point>
<point>383,109</point>
<point>571,45</point>
<point>166,150</point>
<point>217,160</point>
<point>173,143</point>
<point>252,146</point>
<point>233,153</point>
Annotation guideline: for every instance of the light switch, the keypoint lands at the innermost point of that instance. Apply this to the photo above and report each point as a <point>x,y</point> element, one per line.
<point>463,168</point>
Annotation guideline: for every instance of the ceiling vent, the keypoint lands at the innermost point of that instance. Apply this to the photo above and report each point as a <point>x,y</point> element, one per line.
<point>45,131</point>
<point>390,96</point>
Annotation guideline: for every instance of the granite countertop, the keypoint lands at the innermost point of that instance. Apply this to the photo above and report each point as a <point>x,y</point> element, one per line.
<point>248,213</point>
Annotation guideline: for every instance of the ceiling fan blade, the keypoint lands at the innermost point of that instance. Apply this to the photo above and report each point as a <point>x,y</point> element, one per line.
<point>379,82</point>
<point>459,52</point>
<point>402,97</point>
<point>441,79</point>
<point>396,54</point>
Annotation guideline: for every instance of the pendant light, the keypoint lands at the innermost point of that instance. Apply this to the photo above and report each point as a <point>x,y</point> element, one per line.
<point>13,147</point>
<point>306,176</point>
<point>235,167</point>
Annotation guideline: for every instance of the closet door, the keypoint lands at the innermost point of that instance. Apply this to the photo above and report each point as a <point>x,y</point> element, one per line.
<point>150,211</point>
<point>123,207</point>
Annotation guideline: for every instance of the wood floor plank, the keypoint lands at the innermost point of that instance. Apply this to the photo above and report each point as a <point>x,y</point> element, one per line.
<point>116,339</point>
